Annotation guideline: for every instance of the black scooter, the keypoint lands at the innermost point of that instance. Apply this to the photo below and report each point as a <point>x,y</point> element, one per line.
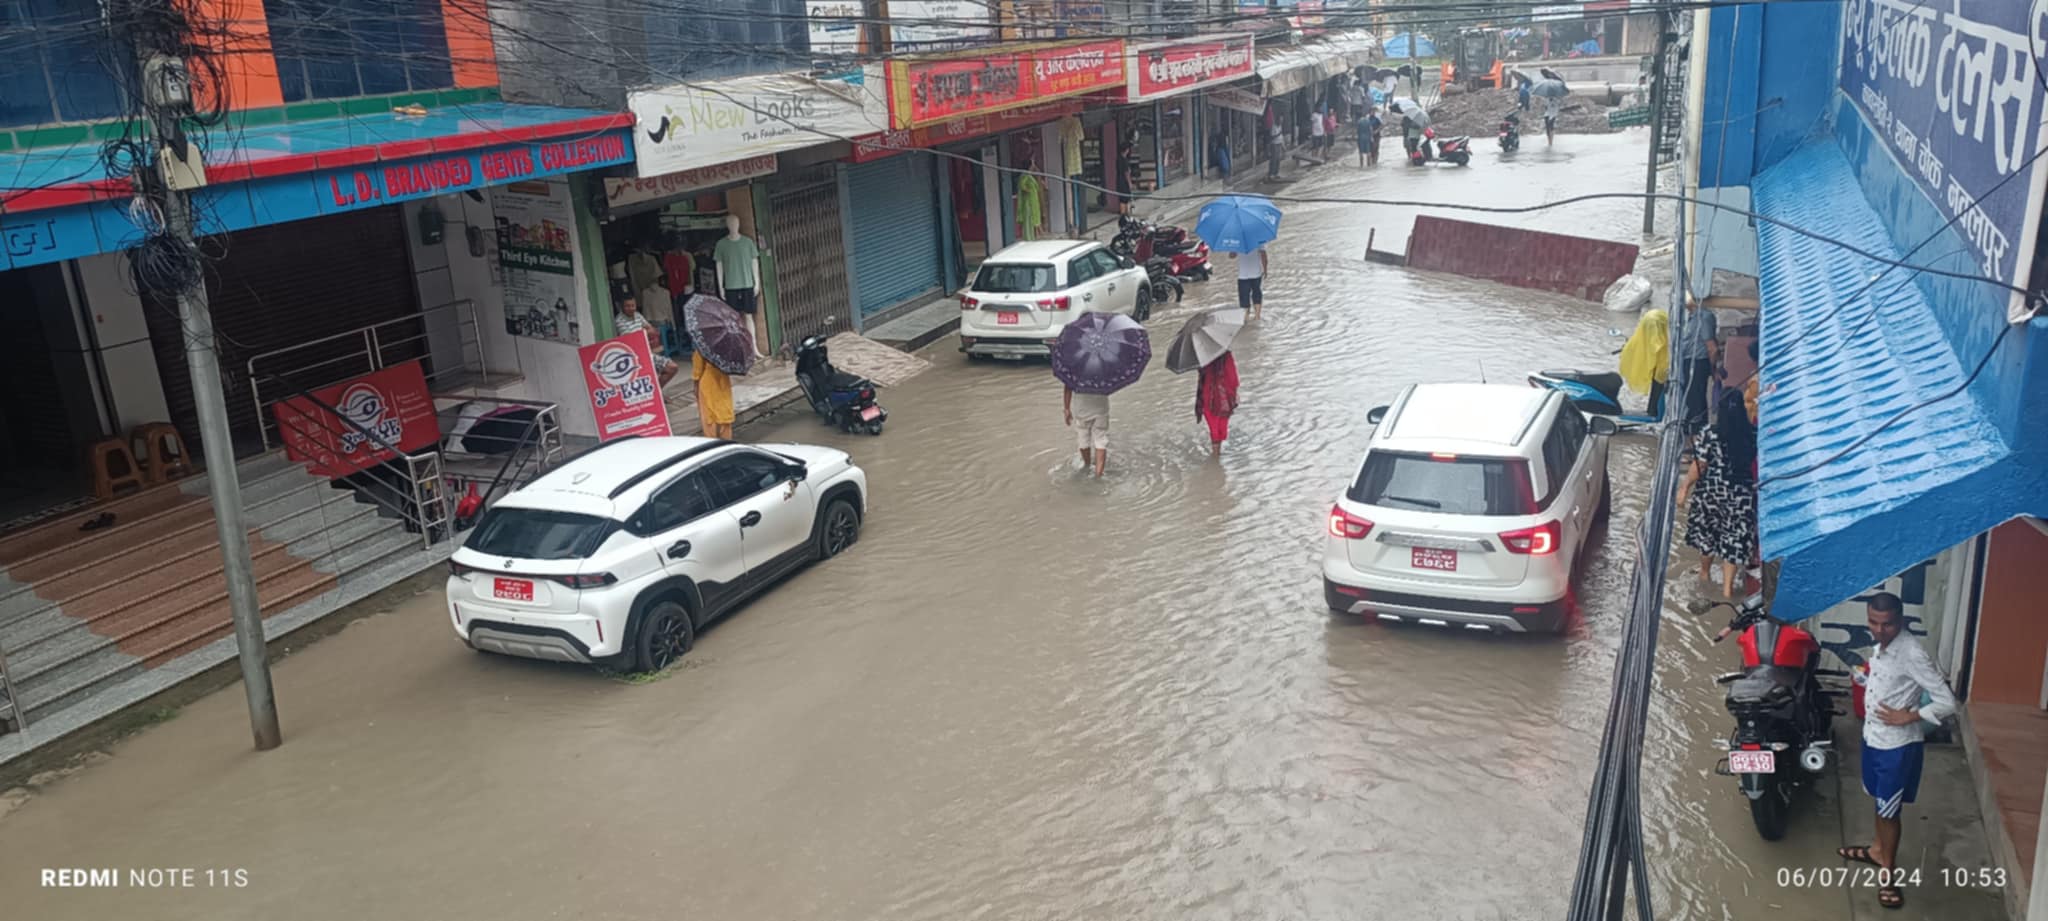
<point>1782,714</point>
<point>839,398</point>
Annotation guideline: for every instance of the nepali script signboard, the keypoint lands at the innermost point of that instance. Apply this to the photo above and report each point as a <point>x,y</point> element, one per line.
<point>1951,87</point>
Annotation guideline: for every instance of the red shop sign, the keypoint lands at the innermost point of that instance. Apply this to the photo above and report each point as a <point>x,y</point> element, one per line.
<point>889,143</point>
<point>928,92</point>
<point>625,392</point>
<point>393,404</point>
<point>1176,68</point>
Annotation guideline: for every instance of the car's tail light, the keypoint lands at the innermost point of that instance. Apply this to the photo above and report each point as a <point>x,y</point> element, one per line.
<point>1347,526</point>
<point>1057,303</point>
<point>1540,540</point>
<point>968,303</point>
<point>588,580</point>
<point>457,569</point>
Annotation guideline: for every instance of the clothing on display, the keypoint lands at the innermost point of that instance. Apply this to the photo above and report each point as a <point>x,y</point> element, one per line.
<point>741,299</point>
<point>1030,206</point>
<point>736,258</point>
<point>1071,136</point>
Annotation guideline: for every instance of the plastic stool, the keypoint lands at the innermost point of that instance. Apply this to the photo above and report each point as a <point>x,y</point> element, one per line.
<point>162,450</point>
<point>105,479</point>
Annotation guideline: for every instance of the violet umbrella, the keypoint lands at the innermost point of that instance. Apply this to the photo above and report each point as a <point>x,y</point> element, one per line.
<point>722,335</point>
<point>1100,353</point>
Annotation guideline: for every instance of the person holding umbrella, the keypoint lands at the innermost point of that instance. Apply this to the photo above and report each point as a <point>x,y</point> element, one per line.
<point>723,340</point>
<point>1243,224</point>
<point>1204,343</point>
<point>1096,355</point>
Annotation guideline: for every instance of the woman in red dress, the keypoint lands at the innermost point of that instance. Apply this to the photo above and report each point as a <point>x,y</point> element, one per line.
<point>1216,399</point>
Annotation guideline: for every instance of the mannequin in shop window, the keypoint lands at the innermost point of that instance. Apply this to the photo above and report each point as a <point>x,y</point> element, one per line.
<point>739,276</point>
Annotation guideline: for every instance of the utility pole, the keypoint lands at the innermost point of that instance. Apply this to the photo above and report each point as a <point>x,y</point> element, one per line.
<point>1658,90</point>
<point>175,169</point>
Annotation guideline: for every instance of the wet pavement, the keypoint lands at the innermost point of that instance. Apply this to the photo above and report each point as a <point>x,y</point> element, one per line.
<point>1026,693</point>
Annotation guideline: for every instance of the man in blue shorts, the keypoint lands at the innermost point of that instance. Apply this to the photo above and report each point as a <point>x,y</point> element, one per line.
<point>1251,281</point>
<point>1894,729</point>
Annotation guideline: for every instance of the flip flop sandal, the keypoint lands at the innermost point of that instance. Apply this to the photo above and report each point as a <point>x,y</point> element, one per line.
<point>1891,897</point>
<point>1856,853</point>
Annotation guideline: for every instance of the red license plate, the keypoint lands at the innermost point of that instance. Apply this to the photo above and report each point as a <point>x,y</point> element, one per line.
<point>512,589</point>
<point>870,414</point>
<point>1432,558</point>
<point>1748,762</point>
<point>1006,318</point>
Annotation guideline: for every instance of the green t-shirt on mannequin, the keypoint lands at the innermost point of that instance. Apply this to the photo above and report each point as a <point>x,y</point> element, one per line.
<point>736,256</point>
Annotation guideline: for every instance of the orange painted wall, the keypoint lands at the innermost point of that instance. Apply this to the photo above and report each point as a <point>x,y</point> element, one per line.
<point>474,58</point>
<point>2012,624</point>
<point>251,70</point>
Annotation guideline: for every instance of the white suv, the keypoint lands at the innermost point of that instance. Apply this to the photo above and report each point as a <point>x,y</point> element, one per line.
<point>1023,296</point>
<point>620,555</point>
<point>1471,507</point>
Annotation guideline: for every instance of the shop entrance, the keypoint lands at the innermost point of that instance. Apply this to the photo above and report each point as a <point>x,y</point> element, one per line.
<point>664,253</point>
<point>968,179</point>
<point>50,408</point>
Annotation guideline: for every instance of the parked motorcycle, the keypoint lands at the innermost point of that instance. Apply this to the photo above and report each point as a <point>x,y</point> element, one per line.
<point>1780,708</point>
<point>1597,394</point>
<point>1510,133</point>
<point>1456,151</point>
<point>1159,275</point>
<point>1187,256</point>
<point>841,399</point>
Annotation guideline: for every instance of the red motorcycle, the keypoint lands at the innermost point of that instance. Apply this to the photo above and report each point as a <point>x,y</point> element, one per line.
<point>1783,714</point>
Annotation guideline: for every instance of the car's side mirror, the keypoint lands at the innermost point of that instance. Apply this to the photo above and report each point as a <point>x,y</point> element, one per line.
<point>1601,425</point>
<point>1126,262</point>
<point>797,472</point>
<point>1377,413</point>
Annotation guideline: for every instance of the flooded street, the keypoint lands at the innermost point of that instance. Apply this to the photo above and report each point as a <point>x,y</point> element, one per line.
<point>1026,694</point>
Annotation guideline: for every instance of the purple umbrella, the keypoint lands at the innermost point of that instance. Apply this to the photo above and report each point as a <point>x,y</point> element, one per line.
<point>719,333</point>
<point>1100,353</point>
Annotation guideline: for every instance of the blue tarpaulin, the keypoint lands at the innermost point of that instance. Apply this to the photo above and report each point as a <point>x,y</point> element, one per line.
<point>1397,47</point>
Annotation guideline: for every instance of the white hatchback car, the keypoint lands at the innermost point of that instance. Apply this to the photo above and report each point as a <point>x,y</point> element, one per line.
<point>1471,507</point>
<point>619,555</point>
<point>1024,295</point>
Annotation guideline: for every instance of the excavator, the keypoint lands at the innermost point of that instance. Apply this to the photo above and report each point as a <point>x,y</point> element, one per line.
<point>1473,59</point>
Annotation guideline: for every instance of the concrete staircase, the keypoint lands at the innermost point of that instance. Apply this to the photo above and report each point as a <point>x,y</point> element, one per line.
<point>93,621</point>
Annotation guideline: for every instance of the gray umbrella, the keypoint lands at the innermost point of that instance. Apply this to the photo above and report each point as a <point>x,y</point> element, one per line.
<point>1413,111</point>
<point>1554,89</point>
<point>1205,336</point>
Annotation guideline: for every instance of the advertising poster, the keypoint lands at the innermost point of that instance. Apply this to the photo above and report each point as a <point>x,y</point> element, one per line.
<point>937,25</point>
<point>625,394</point>
<point>537,251</point>
<point>834,26</point>
<point>392,405</point>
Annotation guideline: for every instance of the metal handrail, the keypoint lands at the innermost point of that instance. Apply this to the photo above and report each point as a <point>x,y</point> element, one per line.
<point>371,356</point>
<point>11,710</point>
<point>427,505</point>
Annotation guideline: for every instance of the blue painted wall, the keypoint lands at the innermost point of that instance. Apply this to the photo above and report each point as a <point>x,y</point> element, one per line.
<point>1768,87</point>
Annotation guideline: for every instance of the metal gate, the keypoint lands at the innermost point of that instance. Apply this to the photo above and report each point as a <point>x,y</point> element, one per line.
<point>810,255</point>
<point>896,231</point>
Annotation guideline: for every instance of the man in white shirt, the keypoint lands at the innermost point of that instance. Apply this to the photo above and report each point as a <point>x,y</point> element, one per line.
<point>1894,728</point>
<point>1251,281</point>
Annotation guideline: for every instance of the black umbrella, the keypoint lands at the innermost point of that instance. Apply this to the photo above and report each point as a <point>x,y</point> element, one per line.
<point>721,334</point>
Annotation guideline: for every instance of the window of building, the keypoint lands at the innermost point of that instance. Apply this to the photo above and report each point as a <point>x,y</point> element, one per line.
<point>56,64</point>
<point>723,38</point>
<point>334,49</point>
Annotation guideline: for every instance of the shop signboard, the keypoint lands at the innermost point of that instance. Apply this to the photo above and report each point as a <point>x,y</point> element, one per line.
<point>927,92</point>
<point>355,425</point>
<point>1082,17</point>
<point>1251,15</point>
<point>1308,17</point>
<point>1556,11</point>
<point>625,193</point>
<point>834,26</point>
<point>1239,100</point>
<point>1162,70</point>
<point>687,127</point>
<point>35,237</point>
<point>938,25</point>
<point>1954,92</point>
<point>536,225</point>
<point>625,391</point>
<point>889,143</point>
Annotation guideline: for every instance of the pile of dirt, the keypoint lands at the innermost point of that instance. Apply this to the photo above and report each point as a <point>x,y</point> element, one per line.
<point>1478,114</point>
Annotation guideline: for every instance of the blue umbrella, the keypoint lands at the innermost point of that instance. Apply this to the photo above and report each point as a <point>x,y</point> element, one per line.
<point>1238,223</point>
<point>1100,353</point>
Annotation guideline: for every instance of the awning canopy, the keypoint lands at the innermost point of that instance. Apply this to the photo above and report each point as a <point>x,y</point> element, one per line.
<point>1841,362</point>
<point>1286,69</point>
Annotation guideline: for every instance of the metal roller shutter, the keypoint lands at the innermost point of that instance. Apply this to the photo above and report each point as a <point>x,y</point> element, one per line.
<point>810,257</point>
<point>895,231</point>
<point>287,284</point>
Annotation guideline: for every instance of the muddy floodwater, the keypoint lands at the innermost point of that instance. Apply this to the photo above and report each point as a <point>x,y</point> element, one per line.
<point>1026,694</point>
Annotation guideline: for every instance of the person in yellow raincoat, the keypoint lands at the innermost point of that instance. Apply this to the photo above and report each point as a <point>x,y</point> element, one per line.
<point>714,397</point>
<point>1646,359</point>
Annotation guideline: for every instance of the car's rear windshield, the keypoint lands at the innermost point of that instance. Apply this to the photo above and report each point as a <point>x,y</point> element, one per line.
<point>1015,279</point>
<point>538,534</point>
<point>1445,483</point>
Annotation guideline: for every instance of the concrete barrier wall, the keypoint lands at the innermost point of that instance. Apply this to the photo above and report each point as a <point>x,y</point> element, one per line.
<point>1577,266</point>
